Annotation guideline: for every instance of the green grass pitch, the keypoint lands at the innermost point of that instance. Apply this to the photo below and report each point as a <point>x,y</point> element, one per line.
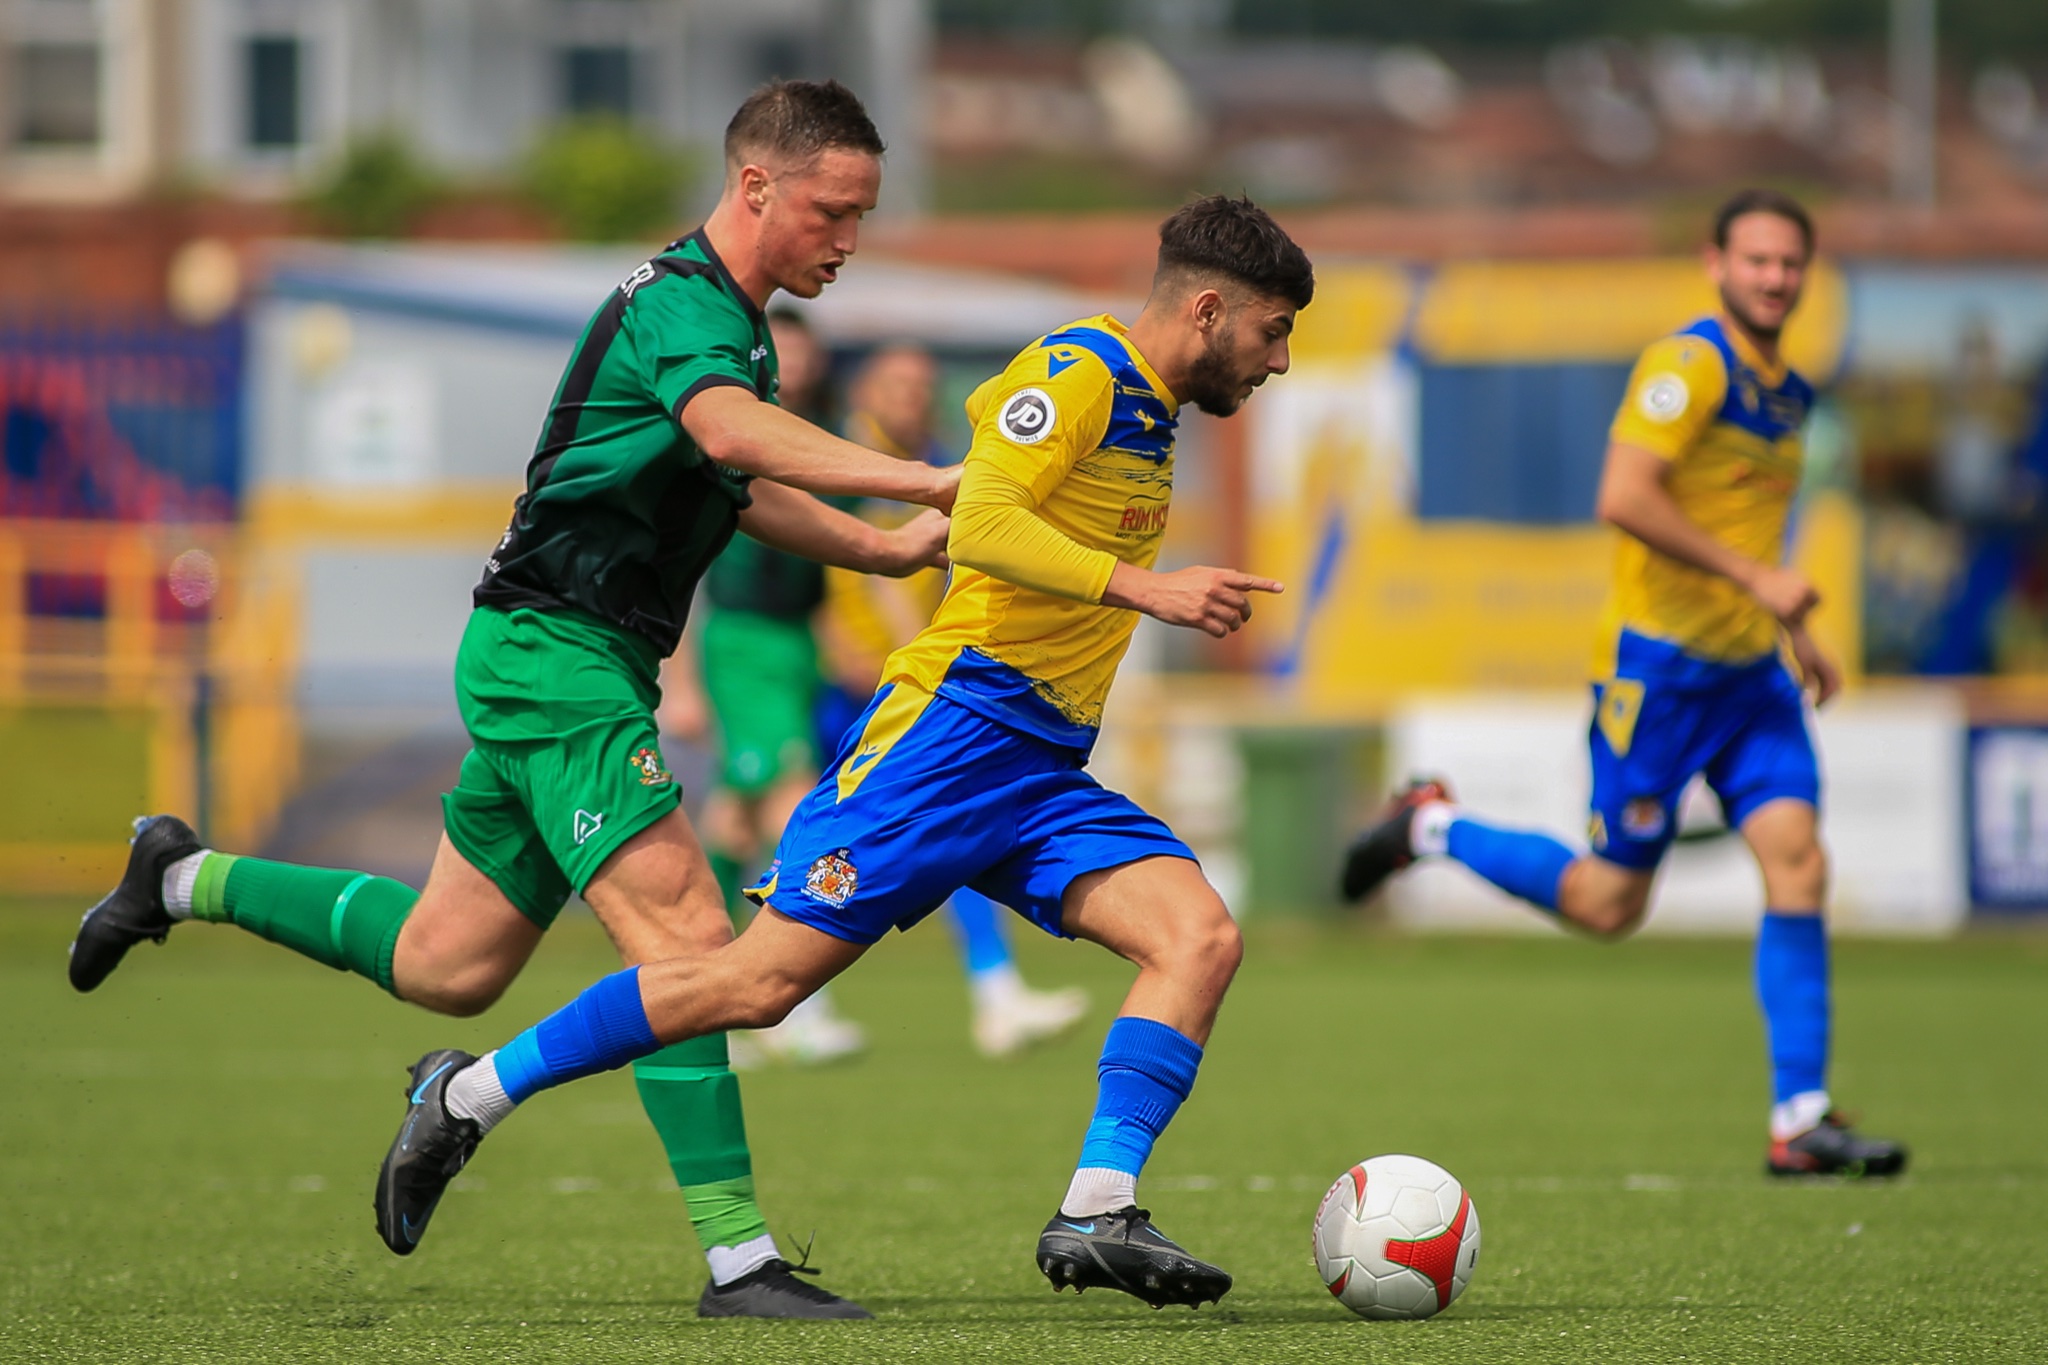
<point>186,1161</point>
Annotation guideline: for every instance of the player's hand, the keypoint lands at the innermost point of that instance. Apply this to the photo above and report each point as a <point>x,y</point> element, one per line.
<point>1214,601</point>
<point>919,543</point>
<point>1784,593</point>
<point>945,487</point>
<point>1817,672</point>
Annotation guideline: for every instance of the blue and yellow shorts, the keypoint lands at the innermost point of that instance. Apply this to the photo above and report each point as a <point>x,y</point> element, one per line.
<point>1667,716</point>
<point>926,796</point>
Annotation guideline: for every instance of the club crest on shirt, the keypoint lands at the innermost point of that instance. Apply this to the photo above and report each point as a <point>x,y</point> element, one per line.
<point>1027,416</point>
<point>1643,818</point>
<point>649,768</point>
<point>1663,398</point>
<point>833,878</point>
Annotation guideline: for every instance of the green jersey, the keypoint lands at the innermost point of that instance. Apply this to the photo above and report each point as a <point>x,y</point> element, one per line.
<point>622,511</point>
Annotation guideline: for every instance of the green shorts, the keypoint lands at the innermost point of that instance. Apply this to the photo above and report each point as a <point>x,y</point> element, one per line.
<point>565,761</point>
<point>761,674</point>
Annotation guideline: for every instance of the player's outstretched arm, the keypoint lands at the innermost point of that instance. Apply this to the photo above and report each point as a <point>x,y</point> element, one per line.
<point>791,519</point>
<point>1634,499</point>
<point>997,529</point>
<point>1216,601</point>
<point>735,428</point>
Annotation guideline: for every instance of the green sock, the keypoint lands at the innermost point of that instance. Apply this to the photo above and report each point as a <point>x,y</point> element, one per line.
<point>348,920</point>
<point>693,1100</point>
<point>726,871</point>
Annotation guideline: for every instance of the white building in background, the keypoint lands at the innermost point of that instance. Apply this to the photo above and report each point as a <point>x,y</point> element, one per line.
<point>103,98</point>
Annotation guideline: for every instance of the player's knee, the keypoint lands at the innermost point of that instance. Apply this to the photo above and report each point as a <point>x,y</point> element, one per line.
<point>1616,913</point>
<point>1204,946</point>
<point>461,996</point>
<point>1797,878</point>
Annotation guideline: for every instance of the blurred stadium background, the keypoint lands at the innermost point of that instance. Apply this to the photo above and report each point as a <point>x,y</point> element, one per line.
<point>284,288</point>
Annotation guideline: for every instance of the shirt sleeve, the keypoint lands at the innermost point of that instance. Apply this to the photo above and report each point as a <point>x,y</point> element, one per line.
<point>1030,429</point>
<point>690,337</point>
<point>1673,396</point>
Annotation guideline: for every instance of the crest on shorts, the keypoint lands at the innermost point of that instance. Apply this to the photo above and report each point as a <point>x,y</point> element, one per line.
<point>833,878</point>
<point>649,768</point>
<point>1643,818</point>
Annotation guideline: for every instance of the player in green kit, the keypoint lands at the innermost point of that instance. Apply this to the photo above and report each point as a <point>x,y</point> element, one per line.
<point>663,439</point>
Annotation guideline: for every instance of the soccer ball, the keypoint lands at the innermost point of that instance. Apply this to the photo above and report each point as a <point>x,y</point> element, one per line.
<point>1396,1237</point>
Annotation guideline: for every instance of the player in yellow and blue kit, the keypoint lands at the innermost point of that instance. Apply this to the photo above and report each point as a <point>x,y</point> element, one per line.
<point>968,766</point>
<point>1703,463</point>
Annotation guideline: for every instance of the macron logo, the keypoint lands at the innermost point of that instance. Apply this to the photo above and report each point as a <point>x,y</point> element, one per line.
<point>587,825</point>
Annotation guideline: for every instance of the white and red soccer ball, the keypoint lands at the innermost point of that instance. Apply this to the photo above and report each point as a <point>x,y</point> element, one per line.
<point>1396,1237</point>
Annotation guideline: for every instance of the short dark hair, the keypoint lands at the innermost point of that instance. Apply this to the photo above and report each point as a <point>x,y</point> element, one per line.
<point>1218,235</point>
<point>798,120</point>
<point>1775,202</point>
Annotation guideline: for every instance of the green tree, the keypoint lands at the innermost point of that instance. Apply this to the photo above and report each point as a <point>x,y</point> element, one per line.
<point>603,180</point>
<point>376,188</point>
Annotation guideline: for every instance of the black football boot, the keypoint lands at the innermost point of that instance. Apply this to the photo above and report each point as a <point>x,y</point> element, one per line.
<point>1122,1250</point>
<point>431,1149</point>
<point>134,910</point>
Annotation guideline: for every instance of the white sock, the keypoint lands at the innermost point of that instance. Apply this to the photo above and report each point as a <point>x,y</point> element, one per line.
<point>1429,834</point>
<point>1097,1189</point>
<point>995,987</point>
<point>1800,1114</point>
<point>729,1263</point>
<point>179,880</point>
<point>475,1093</point>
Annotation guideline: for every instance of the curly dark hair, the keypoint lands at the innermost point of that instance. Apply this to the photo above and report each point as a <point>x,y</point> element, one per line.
<point>797,120</point>
<point>1235,238</point>
<point>1762,201</point>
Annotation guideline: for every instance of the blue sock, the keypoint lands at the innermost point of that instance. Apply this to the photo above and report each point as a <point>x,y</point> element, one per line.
<point>600,1030</point>
<point>1792,986</point>
<point>979,931</point>
<point>1147,1069</point>
<point>1520,862</point>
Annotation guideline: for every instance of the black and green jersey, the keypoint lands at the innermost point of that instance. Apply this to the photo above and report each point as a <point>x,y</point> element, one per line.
<point>622,512</point>
<point>750,576</point>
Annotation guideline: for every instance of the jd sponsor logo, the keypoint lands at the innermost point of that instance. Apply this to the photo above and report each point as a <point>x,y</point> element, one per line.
<point>587,825</point>
<point>1027,417</point>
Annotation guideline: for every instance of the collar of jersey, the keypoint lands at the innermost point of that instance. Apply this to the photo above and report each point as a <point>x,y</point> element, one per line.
<point>725,277</point>
<point>1123,336</point>
<point>1773,375</point>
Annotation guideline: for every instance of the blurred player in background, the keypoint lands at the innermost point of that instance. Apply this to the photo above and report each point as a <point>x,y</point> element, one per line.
<point>866,619</point>
<point>968,767</point>
<point>750,681</point>
<point>774,711</point>
<point>662,440</point>
<point>1703,463</point>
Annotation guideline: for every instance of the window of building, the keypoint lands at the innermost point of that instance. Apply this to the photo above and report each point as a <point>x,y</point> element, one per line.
<point>597,80</point>
<point>57,94</point>
<point>273,70</point>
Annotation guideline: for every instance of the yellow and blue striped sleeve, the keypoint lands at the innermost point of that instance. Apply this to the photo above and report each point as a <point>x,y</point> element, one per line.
<point>1673,396</point>
<point>1030,428</point>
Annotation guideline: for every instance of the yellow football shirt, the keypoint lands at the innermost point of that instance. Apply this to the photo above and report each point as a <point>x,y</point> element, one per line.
<point>1729,425</point>
<point>1070,472</point>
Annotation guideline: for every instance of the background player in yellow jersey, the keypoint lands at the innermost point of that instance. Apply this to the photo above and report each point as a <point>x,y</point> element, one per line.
<point>866,619</point>
<point>1703,463</point>
<point>968,767</point>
